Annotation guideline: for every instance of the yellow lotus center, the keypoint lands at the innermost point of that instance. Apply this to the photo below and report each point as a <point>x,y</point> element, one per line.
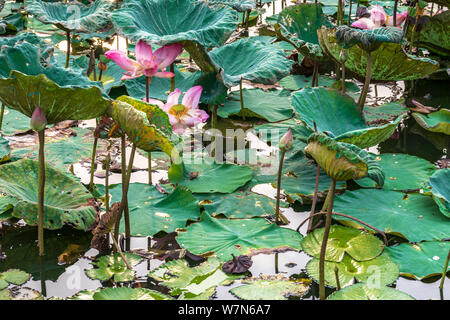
<point>178,110</point>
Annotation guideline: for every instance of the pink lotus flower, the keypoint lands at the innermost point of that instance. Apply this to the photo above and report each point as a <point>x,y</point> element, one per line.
<point>378,16</point>
<point>38,120</point>
<point>186,114</point>
<point>364,23</point>
<point>147,62</point>
<point>400,18</point>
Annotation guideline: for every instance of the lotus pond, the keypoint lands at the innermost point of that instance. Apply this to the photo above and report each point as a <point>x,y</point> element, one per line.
<point>224,149</point>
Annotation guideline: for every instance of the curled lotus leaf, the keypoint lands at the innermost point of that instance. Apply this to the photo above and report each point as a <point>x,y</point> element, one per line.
<point>343,161</point>
<point>389,61</point>
<point>72,16</point>
<point>363,291</point>
<point>440,189</point>
<point>238,5</point>
<point>438,121</point>
<point>369,40</point>
<point>62,94</point>
<point>113,266</point>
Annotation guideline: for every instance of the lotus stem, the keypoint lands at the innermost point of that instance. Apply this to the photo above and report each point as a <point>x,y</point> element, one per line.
<point>172,80</point>
<point>149,157</point>
<point>314,75</point>
<point>68,48</point>
<point>41,187</point>
<point>121,253</point>
<point>324,242</point>
<point>276,263</point>
<point>94,67</point>
<point>148,80</point>
<point>444,272</point>
<point>395,13</point>
<point>362,98</point>
<point>42,275</point>
<point>350,14</point>
<point>241,96</point>
<point>313,206</point>
<point>336,274</point>
<point>432,7</point>
<point>273,4</point>
<point>107,161</point>
<point>124,204</point>
<point>247,19</point>
<point>2,111</point>
<point>343,78</point>
<point>94,153</point>
<point>280,172</point>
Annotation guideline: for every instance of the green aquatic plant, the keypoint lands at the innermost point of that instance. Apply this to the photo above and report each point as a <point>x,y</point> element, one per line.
<point>362,291</point>
<point>440,190</point>
<point>114,266</point>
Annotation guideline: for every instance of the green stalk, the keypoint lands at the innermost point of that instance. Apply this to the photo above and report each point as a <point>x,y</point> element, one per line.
<point>2,111</point>
<point>323,249</point>
<point>94,66</point>
<point>68,48</point>
<point>107,161</point>
<point>313,206</point>
<point>94,153</point>
<point>241,96</point>
<point>362,98</point>
<point>343,78</point>
<point>350,14</point>
<point>395,13</point>
<point>149,156</point>
<point>41,186</point>
<point>280,171</point>
<point>148,80</point>
<point>172,80</point>
<point>441,285</point>
<point>336,274</point>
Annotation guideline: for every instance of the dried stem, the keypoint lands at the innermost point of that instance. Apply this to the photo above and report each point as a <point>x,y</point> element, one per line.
<point>121,253</point>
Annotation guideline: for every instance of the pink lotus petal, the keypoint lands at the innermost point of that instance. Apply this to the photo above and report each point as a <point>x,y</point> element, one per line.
<point>378,15</point>
<point>179,128</point>
<point>122,60</point>
<point>400,18</point>
<point>173,98</point>
<point>203,115</point>
<point>164,74</point>
<point>150,70</point>
<point>129,75</point>
<point>364,23</point>
<point>192,97</point>
<point>167,54</point>
<point>144,54</point>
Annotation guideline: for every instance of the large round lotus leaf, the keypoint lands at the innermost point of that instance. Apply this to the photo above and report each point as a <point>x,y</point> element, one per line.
<point>339,116</point>
<point>126,293</point>
<point>389,61</point>
<point>238,5</point>
<point>206,177</point>
<point>71,16</point>
<point>62,94</point>
<point>440,188</point>
<point>388,112</point>
<point>4,150</point>
<point>171,21</point>
<point>300,81</point>
<point>299,24</point>
<point>413,216</point>
<point>13,276</point>
<point>14,122</point>
<point>258,62</point>
<point>269,288</point>
<point>114,266</point>
<point>198,283</point>
<point>343,161</point>
<point>369,40</point>
<point>236,236</point>
<point>402,171</point>
<point>362,291</point>
<point>272,106</point>
<point>438,121</point>
<point>379,271</point>
<point>150,213</point>
<point>360,245</point>
<point>434,34</point>
<point>421,260</point>
<point>66,200</point>
<point>146,135</point>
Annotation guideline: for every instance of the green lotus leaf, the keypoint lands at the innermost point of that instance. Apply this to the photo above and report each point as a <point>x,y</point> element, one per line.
<point>6,204</point>
<point>258,62</point>
<point>4,150</point>
<point>238,5</point>
<point>379,271</point>
<point>163,22</point>
<point>227,237</point>
<point>420,260</point>
<point>125,293</point>
<point>146,135</point>
<point>22,294</point>
<point>13,276</point>
<point>339,116</point>
<point>388,112</point>
<point>360,245</point>
<point>151,212</point>
<point>412,216</point>
<point>362,291</point>
<point>343,161</point>
<point>62,94</point>
<point>14,122</point>
<point>300,81</point>
<point>71,16</point>
<point>433,34</point>
<point>113,266</point>
<point>269,288</point>
<point>66,200</point>
<point>438,121</point>
<point>402,171</point>
<point>214,177</point>
<point>198,283</point>
<point>272,106</point>
<point>369,40</point>
<point>440,190</point>
<point>389,61</point>
<point>299,23</point>
<point>29,37</point>
<point>300,132</point>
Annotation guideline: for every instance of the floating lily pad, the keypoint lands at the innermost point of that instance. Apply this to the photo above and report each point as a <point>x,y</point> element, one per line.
<point>198,283</point>
<point>440,188</point>
<point>21,294</point>
<point>13,276</point>
<point>421,260</point>
<point>269,288</point>
<point>339,116</point>
<point>258,62</point>
<point>125,293</point>
<point>438,121</point>
<point>206,177</point>
<point>360,245</point>
<point>379,271</point>
<point>66,200</point>
<point>413,216</point>
<point>389,61</point>
<point>113,266</point>
<point>237,236</point>
<point>362,291</point>
<point>14,122</point>
<point>272,106</point>
<point>402,172</point>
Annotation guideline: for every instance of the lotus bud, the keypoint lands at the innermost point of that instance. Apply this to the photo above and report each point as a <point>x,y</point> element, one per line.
<point>286,141</point>
<point>342,56</point>
<point>38,120</point>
